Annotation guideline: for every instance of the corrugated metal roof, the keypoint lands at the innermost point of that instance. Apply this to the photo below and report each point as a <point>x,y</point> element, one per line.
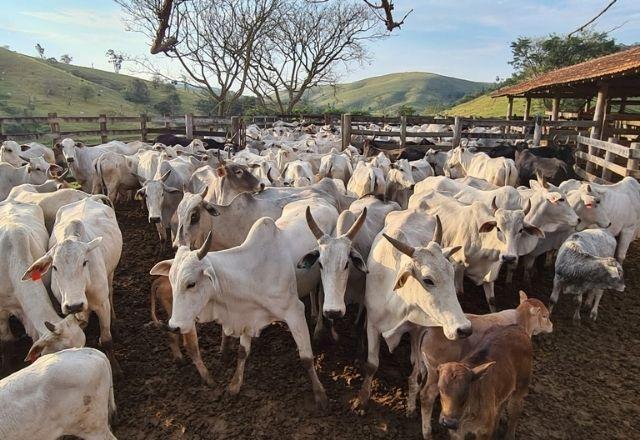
<point>617,64</point>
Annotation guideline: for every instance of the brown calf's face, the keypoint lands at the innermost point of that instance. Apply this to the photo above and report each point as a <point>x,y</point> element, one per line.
<point>537,314</point>
<point>454,383</point>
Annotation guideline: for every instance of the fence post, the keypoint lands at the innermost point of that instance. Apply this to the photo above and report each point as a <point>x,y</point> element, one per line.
<point>143,127</point>
<point>236,124</point>
<point>537,132</point>
<point>102,119</point>
<point>2,136</point>
<point>608,158</point>
<point>403,131</point>
<point>188,125</point>
<point>346,130</point>
<point>327,119</point>
<point>52,119</point>
<point>632,162</point>
<point>457,131</point>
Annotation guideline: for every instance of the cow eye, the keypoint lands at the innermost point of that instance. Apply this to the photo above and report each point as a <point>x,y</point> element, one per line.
<point>520,231</point>
<point>55,268</point>
<point>346,265</point>
<point>498,229</point>
<point>597,202</point>
<point>428,281</point>
<point>191,285</point>
<point>239,173</point>
<point>561,200</point>
<point>84,264</point>
<point>195,217</point>
<point>320,264</point>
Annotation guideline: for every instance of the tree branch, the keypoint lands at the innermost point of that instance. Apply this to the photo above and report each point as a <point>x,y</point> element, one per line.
<point>581,28</point>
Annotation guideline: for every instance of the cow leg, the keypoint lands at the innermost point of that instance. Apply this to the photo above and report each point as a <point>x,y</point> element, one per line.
<point>166,299</point>
<point>458,279</point>
<point>161,236</point>
<point>106,342</point>
<point>550,258</point>
<point>514,410</point>
<point>597,295</point>
<point>414,385</point>
<point>224,344</point>
<point>428,395</point>
<point>511,268</point>
<point>103,434</point>
<point>298,327</point>
<point>528,265</point>
<point>168,238</point>
<point>490,296</point>
<point>243,352</point>
<point>371,366</point>
<point>6,339</point>
<point>313,301</point>
<point>113,310</point>
<point>555,293</point>
<point>319,327</point>
<point>578,302</point>
<point>624,240</point>
<point>190,341</point>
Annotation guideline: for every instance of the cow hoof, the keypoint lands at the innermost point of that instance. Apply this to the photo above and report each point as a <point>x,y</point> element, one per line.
<point>322,402</point>
<point>593,316</point>
<point>234,388</point>
<point>208,380</point>
<point>180,360</point>
<point>411,413</point>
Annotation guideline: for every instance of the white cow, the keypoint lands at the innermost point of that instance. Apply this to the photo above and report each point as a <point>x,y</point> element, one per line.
<point>410,285</point>
<point>116,175</point>
<point>298,173</point>
<point>500,171</point>
<point>400,182</point>
<point>337,166</point>
<point>16,154</point>
<point>84,250</point>
<point>11,176</point>
<point>80,159</point>
<point>24,238</point>
<point>64,393</point>
<point>367,179</point>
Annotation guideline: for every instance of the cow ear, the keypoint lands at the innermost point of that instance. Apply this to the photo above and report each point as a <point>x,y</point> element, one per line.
<point>209,273</point>
<point>38,268</point>
<point>402,278</point>
<point>488,226</point>
<point>139,194</point>
<point>308,260</point>
<point>479,371</point>
<point>94,244</point>
<point>534,230</point>
<point>25,147</point>
<point>35,351</point>
<point>358,261</point>
<point>535,185</point>
<point>210,209</point>
<point>450,251</point>
<point>161,268</point>
<point>523,296</point>
<point>221,171</point>
<point>171,189</point>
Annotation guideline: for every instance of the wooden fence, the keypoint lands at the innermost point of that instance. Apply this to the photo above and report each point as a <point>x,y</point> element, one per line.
<point>537,129</point>
<point>606,162</point>
<point>54,127</point>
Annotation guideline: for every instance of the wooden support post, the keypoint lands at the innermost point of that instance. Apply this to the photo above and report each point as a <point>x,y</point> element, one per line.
<point>457,131</point>
<point>527,109</point>
<point>327,119</point>
<point>236,128</point>
<point>587,105</point>
<point>188,125</point>
<point>609,158</point>
<point>537,131</point>
<point>102,119</point>
<point>623,104</point>
<point>143,127</point>
<point>52,119</point>
<point>2,136</point>
<point>632,162</point>
<point>510,108</point>
<point>555,109</point>
<point>346,130</point>
<point>598,114</point>
<point>403,131</point>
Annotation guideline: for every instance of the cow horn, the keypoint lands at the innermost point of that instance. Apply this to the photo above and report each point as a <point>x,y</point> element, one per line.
<point>541,179</point>
<point>204,249</point>
<point>437,233</point>
<point>60,177</point>
<point>493,205</point>
<point>50,327</point>
<point>165,176</point>
<point>204,192</point>
<point>353,231</point>
<point>315,229</point>
<point>402,247</point>
<point>528,207</point>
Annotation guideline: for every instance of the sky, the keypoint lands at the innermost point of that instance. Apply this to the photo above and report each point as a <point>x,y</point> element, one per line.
<point>461,38</point>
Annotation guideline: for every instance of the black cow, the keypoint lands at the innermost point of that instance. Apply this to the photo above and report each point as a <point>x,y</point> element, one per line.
<point>171,139</point>
<point>552,169</point>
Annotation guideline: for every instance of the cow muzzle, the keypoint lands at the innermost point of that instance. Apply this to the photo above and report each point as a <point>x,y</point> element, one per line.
<point>464,332</point>
<point>154,220</point>
<point>509,259</point>
<point>74,308</point>
<point>333,314</point>
<point>448,423</point>
<point>172,329</point>
<point>70,160</point>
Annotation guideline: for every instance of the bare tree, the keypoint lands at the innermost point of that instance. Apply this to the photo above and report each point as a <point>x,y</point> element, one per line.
<point>308,42</point>
<point>116,59</point>
<point>66,58</point>
<point>212,41</point>
<point>383,10</point>
<point>40,50</point>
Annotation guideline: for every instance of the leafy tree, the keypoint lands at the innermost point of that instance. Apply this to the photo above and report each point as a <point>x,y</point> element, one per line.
<point>137,91</point>
<point>532,56</point>
<point>86,92</point>
<point>40,50</point>
<point>170,105</point>
<point>406,110</point>
<point>116,59</point>
<point>156,81</point>
<point>66,58</point>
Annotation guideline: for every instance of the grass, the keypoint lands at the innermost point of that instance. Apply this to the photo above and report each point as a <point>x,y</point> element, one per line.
<point>485,106</point>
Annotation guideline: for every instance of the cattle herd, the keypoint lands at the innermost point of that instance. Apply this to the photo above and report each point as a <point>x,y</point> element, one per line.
<point>289,227</point>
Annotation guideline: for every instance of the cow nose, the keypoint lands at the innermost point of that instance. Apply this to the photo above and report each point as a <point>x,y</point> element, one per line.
<point>509,258</point>
<point>448,423</point>
<point>75,308</point>
<point>333,314</point>
<point>70,159</point>
<point>173,329</point>
<point>262,187</point>
<point>154,220</point>
<point>464,332</point>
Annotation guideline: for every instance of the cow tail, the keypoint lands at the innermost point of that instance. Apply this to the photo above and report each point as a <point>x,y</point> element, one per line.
<point>507,174</point>
<point>102,198</point>
<point>112,409</point>
<point>97,164</point>
<point>372,181</point>
<point>154,317</point>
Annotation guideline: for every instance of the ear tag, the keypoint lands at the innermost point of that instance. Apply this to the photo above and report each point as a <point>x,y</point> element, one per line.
<point>36,275</point>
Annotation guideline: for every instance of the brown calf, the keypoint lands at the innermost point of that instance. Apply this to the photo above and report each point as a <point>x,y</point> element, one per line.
<point>531,315</point>
<point>473,392</point>
<point>161,291</point>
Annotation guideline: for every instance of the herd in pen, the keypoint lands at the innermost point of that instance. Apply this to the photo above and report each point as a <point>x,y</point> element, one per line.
<point>293,224</point>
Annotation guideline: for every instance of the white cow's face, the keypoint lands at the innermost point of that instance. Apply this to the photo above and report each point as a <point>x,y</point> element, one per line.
<point>69,261</point>
<point>587,204</point>
<point>61,335</point>
<point>10,153</point>
<point>153,192</point>
<point>426,280</point>
<point>556,212</point>
<point>192,281</point>
<point>194,221</point>
<point>509,227</point>
<point>69,150</point>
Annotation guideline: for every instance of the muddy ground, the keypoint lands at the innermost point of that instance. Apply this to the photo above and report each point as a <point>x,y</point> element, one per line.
<point>586,378</point>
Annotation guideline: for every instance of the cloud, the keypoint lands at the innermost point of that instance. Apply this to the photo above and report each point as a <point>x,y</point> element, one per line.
<point>87,18</point>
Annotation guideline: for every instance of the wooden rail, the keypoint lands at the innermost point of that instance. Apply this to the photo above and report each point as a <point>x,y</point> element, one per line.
<point>139,127</point>
<point>602,162</point>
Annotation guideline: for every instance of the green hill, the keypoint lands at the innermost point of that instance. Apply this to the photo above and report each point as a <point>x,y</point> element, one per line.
<point>31,86</point>
<point>485,106</point>
<point>425,92</point>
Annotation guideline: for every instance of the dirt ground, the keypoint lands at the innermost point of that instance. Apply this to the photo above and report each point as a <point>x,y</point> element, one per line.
<point>585,377</point>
